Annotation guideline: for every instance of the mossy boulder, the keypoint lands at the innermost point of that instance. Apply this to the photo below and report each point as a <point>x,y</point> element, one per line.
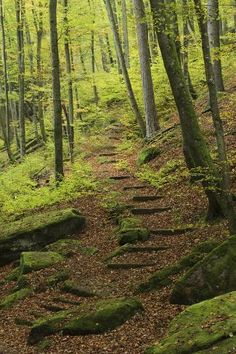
<point>58,277</point>
<point>36,231</point>
<point>162,278</point>
<point>206,327</point>
<point>93,318</point>
<point>130,230</point>
<point>32,261</point>
<point>68,247</point>
<point>214,275</point>
<point>147,154</point>
<point>72,287</point>
<point>12,299</point>
<point>133,236</point>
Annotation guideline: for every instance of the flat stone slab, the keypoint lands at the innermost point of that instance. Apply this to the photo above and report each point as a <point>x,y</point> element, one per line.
<point>12,299</point>
<point>208,327</point>
<point>68,247</point>
<point>146,198</point>
<point>36,231</point>
<point>72,287</point>
<point>118,178</point>
<point>129,265</point>
<point>149,211</point>
<point>134,187</point>
<point>92,318</point>
<point>32,261</point>
<point>172,232</point>
<point>104,154</point>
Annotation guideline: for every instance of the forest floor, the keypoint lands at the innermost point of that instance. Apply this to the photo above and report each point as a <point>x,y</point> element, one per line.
<point>187,207</point>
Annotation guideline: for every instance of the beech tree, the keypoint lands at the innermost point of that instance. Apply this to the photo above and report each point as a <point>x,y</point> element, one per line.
<point>56,91</point>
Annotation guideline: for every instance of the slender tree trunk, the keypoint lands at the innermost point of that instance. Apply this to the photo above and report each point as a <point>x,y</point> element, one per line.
<point>125,33</point>
<point>103,54</point>
<point>69,80</point>
<point>38,23</point>
<point>56,91</point>
<point>219,131</point>
<point>20,14</point>
<point>93,63</point>
<point>6,86</point>
<point>109,51</point>
<point>78,113</point>
<point>214,40</point>
<point>152,124</point>
<point>125,73</point>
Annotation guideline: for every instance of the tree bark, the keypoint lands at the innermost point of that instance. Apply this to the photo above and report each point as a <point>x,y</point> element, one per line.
<point>56,91</point>
<point>69,80</point>
<point>20,14</point>
<point>152,124</point>
<point>213,25</point>
<point>125,33</point>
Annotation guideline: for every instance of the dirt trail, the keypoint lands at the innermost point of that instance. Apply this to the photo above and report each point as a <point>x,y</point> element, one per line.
<point>91,271</point>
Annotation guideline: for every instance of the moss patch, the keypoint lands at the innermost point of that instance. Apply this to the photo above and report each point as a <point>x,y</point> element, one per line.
<point>202,328</point>
<point>32,261</point>
<point>68,247</point>
<point>36,231</point>
<point>147,155</point>
<point>95,318</point>
<point>212,276</point>
<point>133,236</point>
<point>12,299</point>
<point>72,287</point>
<point>162,278</point>
<point>57,278</point>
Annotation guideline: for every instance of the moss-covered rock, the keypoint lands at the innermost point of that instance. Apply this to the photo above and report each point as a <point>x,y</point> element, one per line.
<point>95,318</point>
<point>36,231</point>
<point>12,299</point>
<point>133,235</point>
<point>68,247</point>
<point>147,155</point>
<point>32,261</point>
<point>215,274</point>
<point>206,327</point>
<point>161,278</point>
<point>58,277</point>
<point>72,287</point>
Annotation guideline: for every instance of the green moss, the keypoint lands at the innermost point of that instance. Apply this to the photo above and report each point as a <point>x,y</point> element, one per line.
<point>10,300</point>
<point>32,261</point>
<point>57,278</point>
<point>203,326</point>
<point>68,247</point>
<point>133,235</point>
<point>147,155</point>
<point>72,287</point>
<point>118,252</point>
<point>161,278</point>
<point>36,231</point>
<point>213,275</point>
<point>129,223</point>
<point>95,318</point>
<point>37,221</point>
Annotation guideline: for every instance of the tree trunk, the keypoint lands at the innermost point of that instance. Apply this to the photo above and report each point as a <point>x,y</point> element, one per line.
<point>129,88</point>
<point>69,81</point>
<point>214,40</point>
<point>38,23</point>
<point>152,124</point>
<point>6,86</point>
<point>125,33</point>
<point>20,14</point>
<point>56,91</point>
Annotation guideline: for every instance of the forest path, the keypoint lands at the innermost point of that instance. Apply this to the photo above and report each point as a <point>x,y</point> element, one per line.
<point>118,278</point>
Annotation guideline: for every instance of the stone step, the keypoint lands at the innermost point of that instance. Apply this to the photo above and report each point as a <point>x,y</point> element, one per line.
<point>146,198</point>
<point>134,187</point>
<point>129,265</point>
<point>109,161</point>
<point>114,137</point>
<point>118,178</point>
<point>149,211</point>
<point>148,249</point>
<point>104,154</point>
<point>171,232</point>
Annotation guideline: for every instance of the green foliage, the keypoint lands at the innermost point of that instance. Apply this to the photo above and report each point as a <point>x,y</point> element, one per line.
<point>167,174</point>
<point>20,190</point>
